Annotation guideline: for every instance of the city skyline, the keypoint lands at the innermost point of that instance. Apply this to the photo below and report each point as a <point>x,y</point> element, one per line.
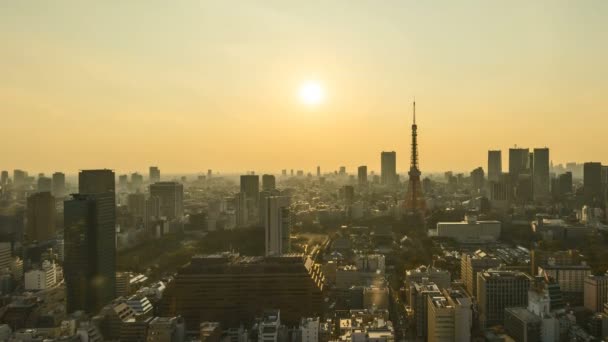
<point>194,93</point>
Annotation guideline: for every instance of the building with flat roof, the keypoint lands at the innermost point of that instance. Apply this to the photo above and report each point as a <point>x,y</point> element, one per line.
<point>471,264</point>
<point>468,231</point>
<point>497,290</point>
<point>450,317</point>
<point>442,278</point>
<point>233,289</point>
<point>596,292</point>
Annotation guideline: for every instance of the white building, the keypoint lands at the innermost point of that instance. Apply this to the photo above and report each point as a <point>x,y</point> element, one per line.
<point>468,231</point>
<point>277,229</point>
<point>268,329</point>
<point>43,278</point>
<point>309,329</point>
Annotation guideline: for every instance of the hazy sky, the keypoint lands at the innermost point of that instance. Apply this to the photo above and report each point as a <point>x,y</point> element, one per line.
<point>192,85</point>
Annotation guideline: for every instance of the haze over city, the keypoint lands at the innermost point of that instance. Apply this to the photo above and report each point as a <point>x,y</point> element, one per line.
<point>212,84</point>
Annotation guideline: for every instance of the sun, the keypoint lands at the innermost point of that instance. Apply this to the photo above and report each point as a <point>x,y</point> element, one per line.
<point>311,93</point>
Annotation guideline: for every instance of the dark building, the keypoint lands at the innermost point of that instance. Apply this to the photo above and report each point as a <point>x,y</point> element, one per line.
<point>388,168</point>
<point>96,181</point>
<point>40,224</point>
<point>171,196</point>
<point>562,185</point>
<point>250,185</point>
<point>522,325</point>
<point>498,290</point>
<point>154,174</point>
<point>362,175</point>
<point>90,250</point>
<point>4,178</point>
<point>233,290</point>
<point>58,184</point>
<point>268,182</point>
<point>540,174</point>
<point>519,159</point>
<point>592,184</point>
<point>494,165</point>
<point>477,179</point>
<point>45,184</point>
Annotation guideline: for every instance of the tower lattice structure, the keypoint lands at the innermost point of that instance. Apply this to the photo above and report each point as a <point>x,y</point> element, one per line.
<point>414,201</point>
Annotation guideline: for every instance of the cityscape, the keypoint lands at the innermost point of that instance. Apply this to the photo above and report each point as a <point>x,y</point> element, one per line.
<point>352,249</point>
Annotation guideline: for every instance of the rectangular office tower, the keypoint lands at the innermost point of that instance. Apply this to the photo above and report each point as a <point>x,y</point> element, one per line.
<point>40,226</point>
<point>277,225</point>
<point>90,251</point>
<point>96,181</point>
<point>154,174</point>
<point>58,184</point>
<point>388,171</point>
<point>250,185</point>
<point>519,159</point>
<point>592,184</point>
<point>362,175</point>
<point>268,182</point>
<point>540,174</point>
<point>498,290</point>
<point>494,165</point>
<point>171,196</point>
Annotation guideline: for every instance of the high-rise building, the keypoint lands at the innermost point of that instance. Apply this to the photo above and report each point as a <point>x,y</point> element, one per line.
<point>250,185</point>
<point>342,171</point>
<point>540,177</point>
<point>362,175</point>
<point>277,225</point>
<point>450,317</point>
<point>442,278</point>
<point>388,168</point>
<point>592,184</point>
<point>40,225</point>
<point>477,179</point>
<point>268,182</point>
<point>233,289</point>
<point>19,178</point>
<point>136,203</point>
<point>471,265</point>
<point>318,171</point>
<point>90,247</point>
<point>571,279</point>
<point>4,178</point>
<point>45,184</point>
<point>596,292</point>
<point>498,290</point>
<point>494,165</point>
<point>137,181</point>
<point>241,208</point>
<point>6,255</point>
<point>419,294</point>
<point>58,185</point>
<point>519,159</point>
<point>414,199</point>
<point>154,174</point>
<point>96,181</point>
<point>171,196</point>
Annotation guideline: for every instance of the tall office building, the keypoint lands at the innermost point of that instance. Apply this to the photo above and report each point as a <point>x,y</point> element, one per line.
<point>19,178</point>
<point>519,159</point>
<point>171,195</point>
<point>414,199</point>
<point>472,264</point>
<point>137,181</point>
<point>494,165</point>
<point>268,182</point>
<point>362,175</point>
<point>58,184</point>
<point>318,171</point>
<point>136,203</point>
<point>45,184</point>
<point>540,177</point>
<point>250,185</point>
<point>241,208</point>
<point>277,225</point>
<point>388,168</point>
<point>233,289</point>
<point>498,290</point>
<point>154,174</point>
<point>40,224</point>
<point>592,184</point>
<point>90,249</point>
<point>477,179</point>
<point>4,178</point>
<point>450,317</point>
<point>596,292</point>
<point>96,181</point>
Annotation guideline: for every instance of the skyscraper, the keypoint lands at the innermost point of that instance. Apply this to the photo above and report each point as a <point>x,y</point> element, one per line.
<point>477,179</point>
<point>318,171</point>
<point>388,168</point>
<point>171,195</point>
<point>58,184</point>
<point>250,185</point>
<point>362,175</point>
<point>498,290</point>
<point>45,184</point>
<point>592,183</point>
<point>414,200</point>
<point>518,162</point>
<point>277,225</point>
<point>96,181</point>
<point>40,225</point>
<point>268,182</point>
<point>154,174</point>
<point>540,178</point>
<point>90,252</point>
<point>494,165</point>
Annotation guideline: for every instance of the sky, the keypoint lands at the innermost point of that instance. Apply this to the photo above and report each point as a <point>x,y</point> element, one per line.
<point>196,85</point>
